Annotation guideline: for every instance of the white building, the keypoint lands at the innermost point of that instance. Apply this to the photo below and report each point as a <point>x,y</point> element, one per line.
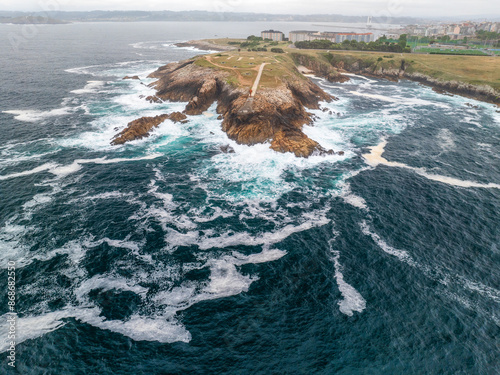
<point>274,35</point>
<point>305,35</point>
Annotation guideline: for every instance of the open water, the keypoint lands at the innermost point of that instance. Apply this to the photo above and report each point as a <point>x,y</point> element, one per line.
<point>166,256</point>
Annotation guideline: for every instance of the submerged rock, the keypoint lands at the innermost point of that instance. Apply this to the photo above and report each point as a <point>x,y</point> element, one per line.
<point>227,149</point>
<point>153,99</point>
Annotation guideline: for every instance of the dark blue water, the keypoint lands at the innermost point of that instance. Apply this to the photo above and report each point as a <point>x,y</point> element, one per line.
<point>165,256</point>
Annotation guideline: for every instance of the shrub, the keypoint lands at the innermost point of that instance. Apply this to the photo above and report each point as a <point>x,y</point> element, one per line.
<point>277,50</point>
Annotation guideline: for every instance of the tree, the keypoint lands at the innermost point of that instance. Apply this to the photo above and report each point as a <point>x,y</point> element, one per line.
<point>402,41</point>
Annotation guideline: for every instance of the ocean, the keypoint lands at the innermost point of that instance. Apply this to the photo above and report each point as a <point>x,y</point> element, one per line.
<point>167,256</point>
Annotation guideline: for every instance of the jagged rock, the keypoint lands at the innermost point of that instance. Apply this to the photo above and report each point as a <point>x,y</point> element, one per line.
<point>220,117</point>
<point>442,92</point>
<point>298,143</point>
<point>141,127</point>
<point>178,117</point>
<point>340,153</point>
<point>472,105</point>
<point>154,99</point>
<point>330,113</point>
<point>325,109</point>
<point>133,77</point>
<point>227,149</point>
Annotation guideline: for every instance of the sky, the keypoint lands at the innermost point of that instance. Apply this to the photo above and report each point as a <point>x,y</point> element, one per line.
<point>396,8</point>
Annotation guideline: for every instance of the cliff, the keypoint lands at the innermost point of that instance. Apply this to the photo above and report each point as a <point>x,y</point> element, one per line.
<point>410,67</point>
<point>319,66</point>
<point>274,115</point>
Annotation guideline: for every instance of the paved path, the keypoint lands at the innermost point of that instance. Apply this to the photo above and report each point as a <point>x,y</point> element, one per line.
<point>247,107</point>
<point>257,80</point>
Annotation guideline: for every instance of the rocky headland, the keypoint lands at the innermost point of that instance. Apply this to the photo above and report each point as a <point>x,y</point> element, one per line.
<point>274,115</point>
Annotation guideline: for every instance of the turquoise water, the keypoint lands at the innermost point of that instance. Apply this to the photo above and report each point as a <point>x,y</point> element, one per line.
<point>166,256</point>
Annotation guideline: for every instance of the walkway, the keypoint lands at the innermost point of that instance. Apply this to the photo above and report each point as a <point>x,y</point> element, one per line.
<point>257,80</point>
<point>247,107</point>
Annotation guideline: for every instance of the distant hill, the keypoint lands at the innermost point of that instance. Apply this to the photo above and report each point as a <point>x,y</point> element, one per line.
<point>30,20</point>
<point>193,16</point>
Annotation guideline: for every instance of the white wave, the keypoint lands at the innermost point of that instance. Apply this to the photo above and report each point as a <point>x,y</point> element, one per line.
<point>41,168</point>
<point>224,281</point>
<point>228,239</point>
<point>358,76</point>
<point>31,115</point>
<point>38,200</point>
<point>106,283</point>
<point>109,195</point>
<point>401,100</point>
<point>135,67</point>
<point>137,327</point>
<point>141,328</point>
<point>350,198</point>
<point>90,88</point>
<point>434,273</point>
<point>352,300</point>
<point>402,255</point>
<point>375,158</point>
<point>445,138</point>
<point>12,249</point>
<point>29,327</point>
<point>64,170</point>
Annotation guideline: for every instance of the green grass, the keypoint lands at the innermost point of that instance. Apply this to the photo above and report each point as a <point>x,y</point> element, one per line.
<point>452,51</point>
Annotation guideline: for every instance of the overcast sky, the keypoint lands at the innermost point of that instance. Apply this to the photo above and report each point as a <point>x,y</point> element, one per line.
<point>412,8</point>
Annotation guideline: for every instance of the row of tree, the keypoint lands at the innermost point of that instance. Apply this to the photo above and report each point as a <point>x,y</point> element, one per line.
<point>381,44</point>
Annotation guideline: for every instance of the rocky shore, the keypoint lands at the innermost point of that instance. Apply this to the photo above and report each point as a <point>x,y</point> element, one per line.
<point>276,117</point>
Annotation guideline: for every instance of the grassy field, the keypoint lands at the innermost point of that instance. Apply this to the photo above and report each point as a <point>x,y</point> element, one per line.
<point>452,51</point>
<point>244,65</point>
<point>476,70</point>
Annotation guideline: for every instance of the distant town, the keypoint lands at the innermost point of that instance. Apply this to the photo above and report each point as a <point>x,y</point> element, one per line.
<point>464,38</point>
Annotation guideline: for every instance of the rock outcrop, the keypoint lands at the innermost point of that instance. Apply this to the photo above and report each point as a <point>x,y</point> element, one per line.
<point>142,127</point>
<point>133,77</point>
<point>276,115</point>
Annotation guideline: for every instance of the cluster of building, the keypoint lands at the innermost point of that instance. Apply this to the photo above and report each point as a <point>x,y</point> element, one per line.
<point>305,35</point>
<point>453,30</point>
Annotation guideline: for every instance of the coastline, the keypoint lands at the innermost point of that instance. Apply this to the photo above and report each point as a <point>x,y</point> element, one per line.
<point>205,45</point>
